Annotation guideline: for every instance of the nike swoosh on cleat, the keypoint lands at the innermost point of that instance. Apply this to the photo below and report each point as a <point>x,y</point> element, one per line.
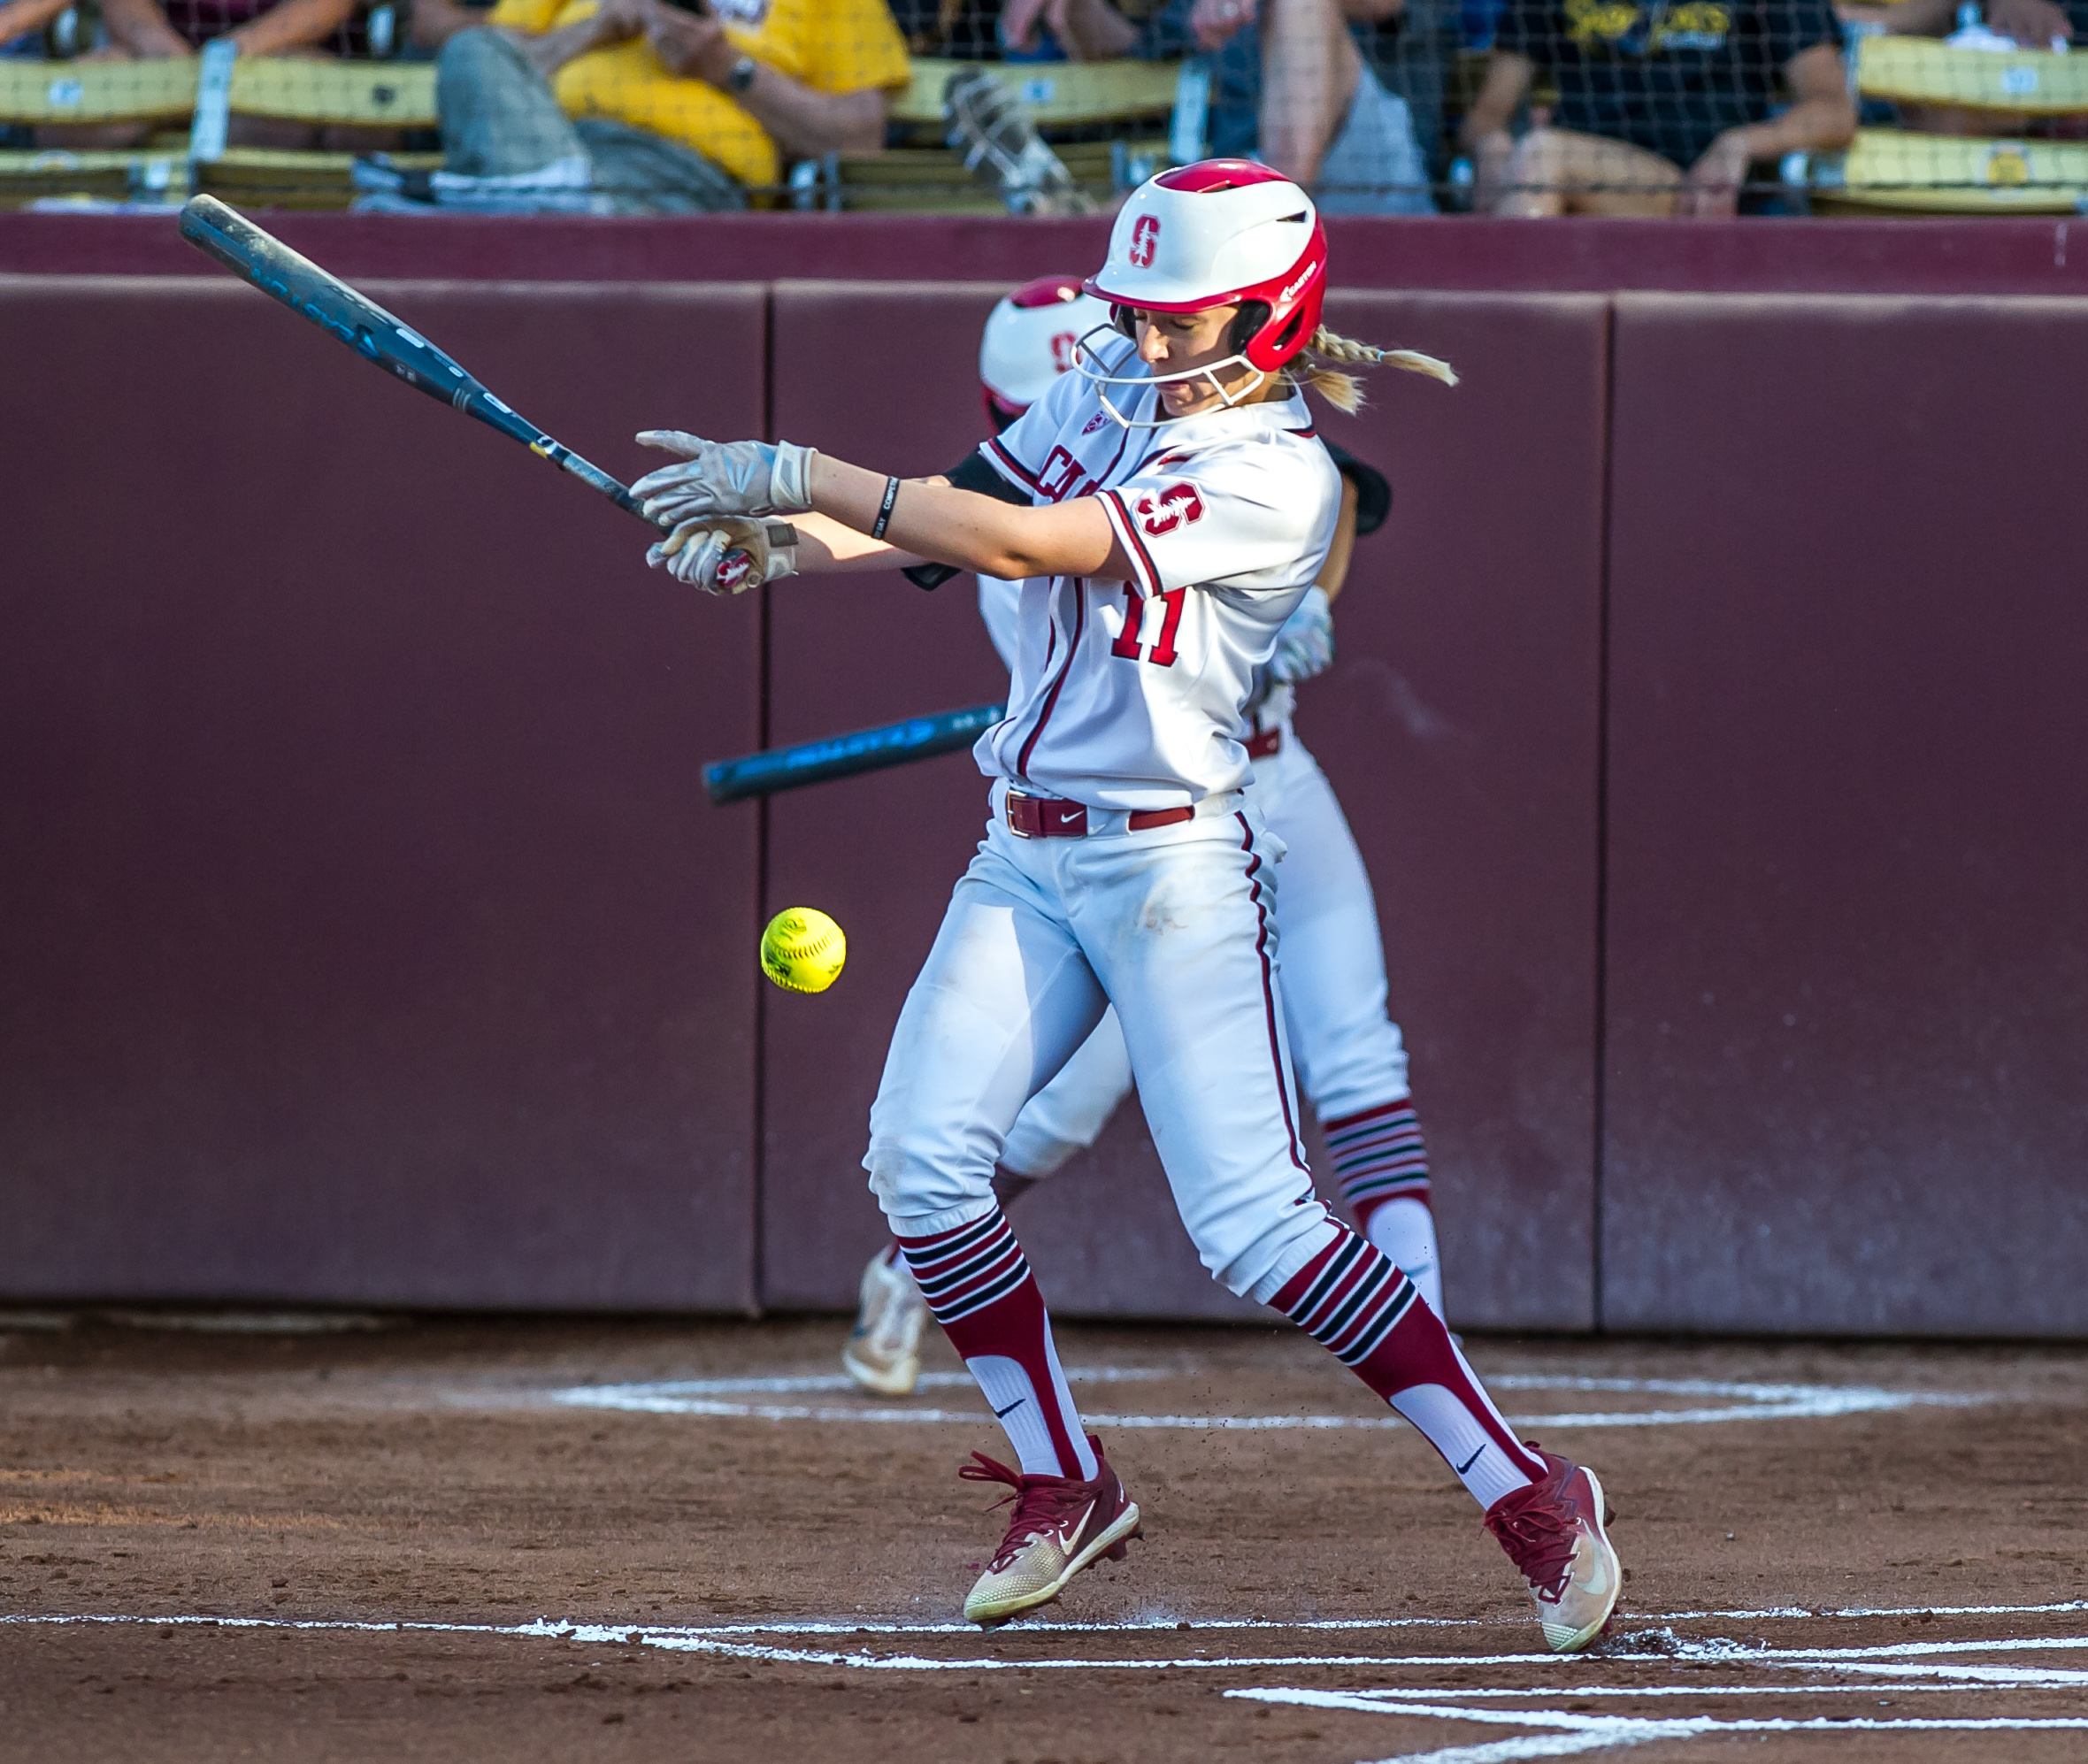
<point>1469,1461</point>
<point>1001,1414</point>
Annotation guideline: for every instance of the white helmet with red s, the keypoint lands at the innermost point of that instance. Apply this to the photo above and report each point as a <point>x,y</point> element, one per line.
<point>1028,341</point>
<point>1219,233</point>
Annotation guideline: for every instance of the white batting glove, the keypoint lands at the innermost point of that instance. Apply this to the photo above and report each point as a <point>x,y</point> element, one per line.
<point>724,478</point>
<point>1305,645</point>
<point>726,556</point>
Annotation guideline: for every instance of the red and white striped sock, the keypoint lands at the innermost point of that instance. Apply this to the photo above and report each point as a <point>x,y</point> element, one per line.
<point>1356,1304</point>
<point>977,1282</point>
<point>1381,1162</point>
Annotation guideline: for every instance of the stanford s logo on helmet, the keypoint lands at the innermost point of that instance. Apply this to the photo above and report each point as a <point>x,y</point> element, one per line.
<point>1144,231</point>
<point>1221,232</point>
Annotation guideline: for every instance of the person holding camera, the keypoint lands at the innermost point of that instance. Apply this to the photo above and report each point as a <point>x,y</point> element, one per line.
<point>651,106</point>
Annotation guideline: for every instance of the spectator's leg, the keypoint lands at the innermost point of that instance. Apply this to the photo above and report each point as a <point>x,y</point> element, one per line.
<point>499,117</point>
<point>1309,71</point>
<point>644,173</point>
<point>1554,171</point>
<point>1375,165</point>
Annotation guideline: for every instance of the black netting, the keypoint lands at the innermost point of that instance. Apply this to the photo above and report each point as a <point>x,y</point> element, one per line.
<point>1516,107</point>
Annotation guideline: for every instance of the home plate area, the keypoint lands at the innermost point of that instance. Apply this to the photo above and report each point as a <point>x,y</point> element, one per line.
<point>665,1540</point>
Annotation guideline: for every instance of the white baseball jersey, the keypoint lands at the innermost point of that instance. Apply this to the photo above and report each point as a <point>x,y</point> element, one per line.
<point>1129,694</point>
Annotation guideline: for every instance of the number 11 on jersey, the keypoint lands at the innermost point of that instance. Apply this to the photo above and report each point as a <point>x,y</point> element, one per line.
<point>1163,653</point>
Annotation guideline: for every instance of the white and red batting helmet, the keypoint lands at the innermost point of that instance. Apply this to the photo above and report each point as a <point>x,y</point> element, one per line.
<point>1028,341</point>
<point>1221,232</point>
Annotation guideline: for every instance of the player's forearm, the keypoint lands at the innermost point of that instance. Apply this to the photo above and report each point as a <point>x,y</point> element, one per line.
<point>826,547</point>
<point>1334,572</point>
<point>941,525</point>
<point>296,24</point>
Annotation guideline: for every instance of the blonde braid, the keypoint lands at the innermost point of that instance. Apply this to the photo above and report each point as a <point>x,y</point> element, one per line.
<point>1345,391</point>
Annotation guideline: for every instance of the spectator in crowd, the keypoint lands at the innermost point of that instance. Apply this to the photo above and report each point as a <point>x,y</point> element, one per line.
<point>160,30</point>
<point>653,107</point>
<point>1307,86</point>
<point>1661,108</point>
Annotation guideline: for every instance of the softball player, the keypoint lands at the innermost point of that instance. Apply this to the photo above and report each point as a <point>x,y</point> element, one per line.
<point>1350,1060</point>
<point>1166,508</point>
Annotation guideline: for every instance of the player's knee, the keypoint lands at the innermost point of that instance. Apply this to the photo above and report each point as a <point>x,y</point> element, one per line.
<point>1274,1248</point>
<point>923,1167</point>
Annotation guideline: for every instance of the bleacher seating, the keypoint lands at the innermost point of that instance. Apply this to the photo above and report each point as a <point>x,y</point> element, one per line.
<point>1908,171</point>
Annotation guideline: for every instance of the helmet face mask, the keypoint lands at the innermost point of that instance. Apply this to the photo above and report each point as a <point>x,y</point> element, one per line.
<point>1102,373</point>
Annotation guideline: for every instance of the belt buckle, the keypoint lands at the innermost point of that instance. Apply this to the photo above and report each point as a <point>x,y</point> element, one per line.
<point>1008,814</point>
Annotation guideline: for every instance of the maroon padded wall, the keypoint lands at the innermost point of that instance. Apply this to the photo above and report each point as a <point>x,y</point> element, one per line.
<point>1986,255</point>
<point>1847,931</point>
<point>1459,726</point>
<point>366,937</point>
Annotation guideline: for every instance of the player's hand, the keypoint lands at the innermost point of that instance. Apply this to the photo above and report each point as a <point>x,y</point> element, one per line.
<point>1305,646</point>
<point>724,478</point>
<point>725,556</point>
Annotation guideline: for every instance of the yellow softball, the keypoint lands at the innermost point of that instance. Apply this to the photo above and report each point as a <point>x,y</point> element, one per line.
<point>803,950</point>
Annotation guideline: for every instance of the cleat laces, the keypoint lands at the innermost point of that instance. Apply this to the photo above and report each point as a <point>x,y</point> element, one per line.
<point>1539,1541</point>
<point>1041,1504</point>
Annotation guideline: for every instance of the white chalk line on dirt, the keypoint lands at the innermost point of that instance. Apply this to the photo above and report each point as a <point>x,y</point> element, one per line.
<point>709,1397</point>
<point>1139,1625</point>
<point>1575,1732</point>
<point>1905,1668</point>
<point>1890,1658</point>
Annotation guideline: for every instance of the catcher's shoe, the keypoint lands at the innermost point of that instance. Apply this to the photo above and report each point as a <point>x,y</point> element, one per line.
<point>883,1353</point>
<point>1553,1533</point>
<point>1061,1525</point>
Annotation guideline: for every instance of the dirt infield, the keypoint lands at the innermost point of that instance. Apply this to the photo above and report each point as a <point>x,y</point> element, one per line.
<point>661,1541</point>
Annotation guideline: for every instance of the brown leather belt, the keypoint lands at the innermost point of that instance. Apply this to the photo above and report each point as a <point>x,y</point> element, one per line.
<point>1051,818</point>
<point>1268,741</point>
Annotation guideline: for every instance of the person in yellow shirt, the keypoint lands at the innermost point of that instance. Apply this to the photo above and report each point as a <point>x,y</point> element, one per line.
<point>647,106</point>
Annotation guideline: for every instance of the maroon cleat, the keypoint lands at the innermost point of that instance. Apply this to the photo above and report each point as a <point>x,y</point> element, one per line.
<point>1552,1531</point>
<point>1060,1526</point>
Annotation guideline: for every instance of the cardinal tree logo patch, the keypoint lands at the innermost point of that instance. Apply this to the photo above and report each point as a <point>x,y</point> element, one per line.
<point>1145,234</point>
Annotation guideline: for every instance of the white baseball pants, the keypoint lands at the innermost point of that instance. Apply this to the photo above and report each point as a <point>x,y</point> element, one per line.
<point>1348,1054</point>
<point>1176,928</point>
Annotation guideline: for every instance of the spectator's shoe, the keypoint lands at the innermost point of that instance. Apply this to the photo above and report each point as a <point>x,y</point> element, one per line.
<point>374,175</point>
<point>884,1351</point>
<point>989,126</point>
<point>1552,1531</point>
<point>1060,1526</point>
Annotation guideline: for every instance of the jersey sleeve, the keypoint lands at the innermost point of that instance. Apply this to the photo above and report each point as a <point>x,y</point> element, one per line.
<point>1227,520</point>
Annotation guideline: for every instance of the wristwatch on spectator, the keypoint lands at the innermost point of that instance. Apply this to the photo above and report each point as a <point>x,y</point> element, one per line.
<point>741,76</point>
